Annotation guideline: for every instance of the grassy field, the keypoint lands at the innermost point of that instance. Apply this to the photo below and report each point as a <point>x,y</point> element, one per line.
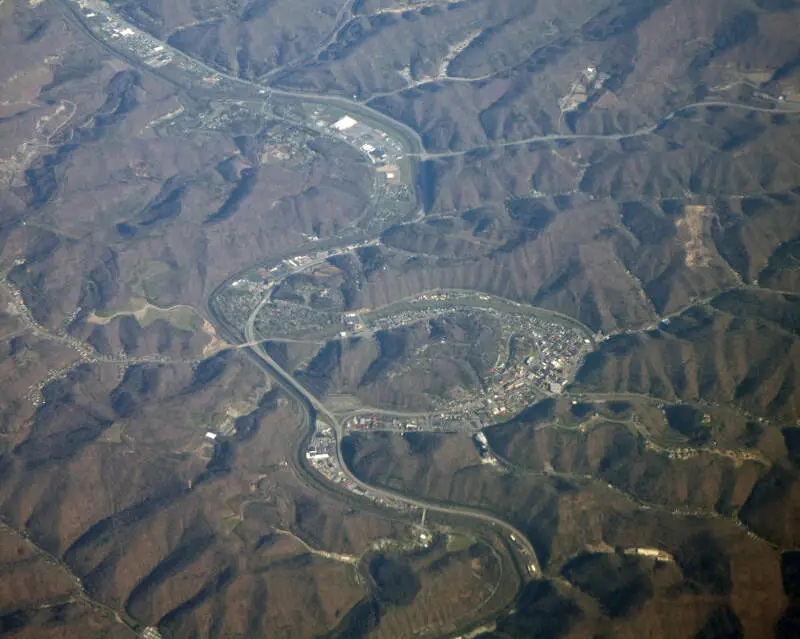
<point>184,318</point>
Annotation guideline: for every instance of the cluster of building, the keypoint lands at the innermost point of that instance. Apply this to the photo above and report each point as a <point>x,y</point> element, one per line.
<point>652,553</point>
<point>427,306</point>
<point>298,263</point>
<point>383,151</point>
<point>680,453</point>
<point>250,286</point>
<point>278,319</point>
<point>546,355</point>
<point>684,453</point>
<point>376,421</point>
<point>114,28</point>
<point>455,421</point>
<point>406,317</point>
<point>353,323</point>
<point>286,145</point>
<point>321,455</point>
<point>448,422</point>
<point>236,304</point>
<point>34,392</point>
<point>238,300</point>
<point>588,83</point>
<point>322,448</point>
<point>556,351</point>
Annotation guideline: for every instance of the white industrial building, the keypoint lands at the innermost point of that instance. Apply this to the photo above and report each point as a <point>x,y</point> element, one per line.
<point>345,123</point>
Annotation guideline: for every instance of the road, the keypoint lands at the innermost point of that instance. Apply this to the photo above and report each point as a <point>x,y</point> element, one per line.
<point>517,538</point>
<point>648,130</point>
<point>411,140</point>
<point>87,353</point>
<point>639,502</point>
<point>409,136</point>
<point>80,593</point>
<point>311,405</point>
<point>73,12</point>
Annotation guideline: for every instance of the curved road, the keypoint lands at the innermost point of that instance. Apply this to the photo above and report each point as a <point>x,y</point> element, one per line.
<point>648,130</point>
<point>518,540</point>
<point>410,136</point>
<point>416,150</point>
<point>76,17</point>
<point>413,142</point>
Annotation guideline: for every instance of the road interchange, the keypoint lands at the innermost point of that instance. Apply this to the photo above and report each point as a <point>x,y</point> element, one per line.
<point>314,409</point>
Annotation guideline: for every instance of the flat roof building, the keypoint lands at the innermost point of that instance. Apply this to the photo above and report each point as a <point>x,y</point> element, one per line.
<point>314,456</point>
<point>345,123</point>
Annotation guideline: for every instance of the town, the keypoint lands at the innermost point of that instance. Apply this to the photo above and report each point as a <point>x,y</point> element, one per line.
<point>539,357</point>
<point>537,353</point>
<point>393,196</point>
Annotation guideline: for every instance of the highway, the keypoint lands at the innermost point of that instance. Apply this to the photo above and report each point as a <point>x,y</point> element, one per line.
<point>313,408</point>
<point>409,136</point>
<point>517,539</point>
<point>75,16</point>
<point>310,404</point>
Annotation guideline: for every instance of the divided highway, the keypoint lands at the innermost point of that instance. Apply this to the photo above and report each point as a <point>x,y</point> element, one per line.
<point>518,540</point>
<point>415,149</point>
<point>312,406</point>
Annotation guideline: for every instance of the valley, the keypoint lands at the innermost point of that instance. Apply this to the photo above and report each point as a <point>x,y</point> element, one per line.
<point>350,326</point>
